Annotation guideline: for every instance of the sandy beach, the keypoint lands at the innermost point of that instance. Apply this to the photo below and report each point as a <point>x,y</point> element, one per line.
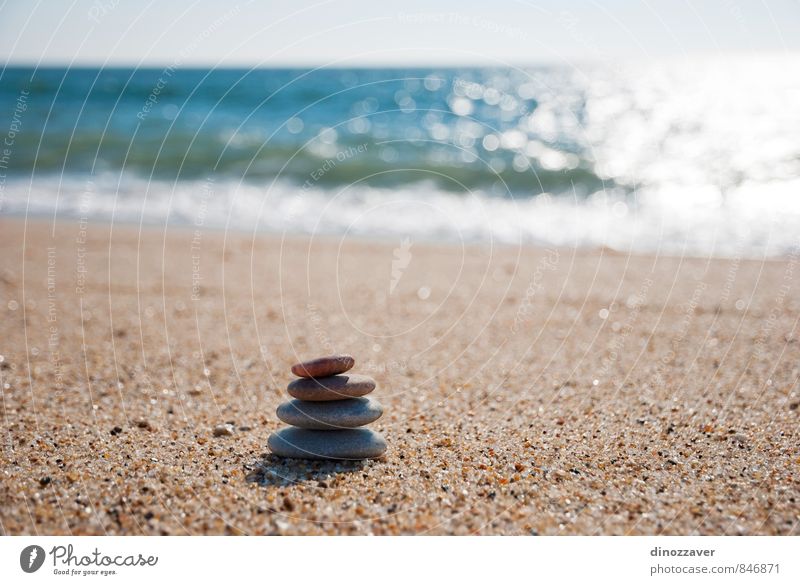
<point>526,391</point>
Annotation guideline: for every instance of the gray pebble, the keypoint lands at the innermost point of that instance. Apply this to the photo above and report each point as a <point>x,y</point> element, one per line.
<point>334,414</point>
<point>331,388</point>
<point>313,444</point>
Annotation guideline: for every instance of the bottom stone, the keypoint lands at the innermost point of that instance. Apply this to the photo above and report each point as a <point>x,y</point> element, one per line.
<point>312,444</point>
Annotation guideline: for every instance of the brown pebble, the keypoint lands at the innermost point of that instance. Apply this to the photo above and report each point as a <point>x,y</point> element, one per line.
<point>324,366</point>
<point>331,388</point>
<point>225,430</point>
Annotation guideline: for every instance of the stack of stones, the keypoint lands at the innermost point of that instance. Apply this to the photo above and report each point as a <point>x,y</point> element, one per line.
<point>328,409</point>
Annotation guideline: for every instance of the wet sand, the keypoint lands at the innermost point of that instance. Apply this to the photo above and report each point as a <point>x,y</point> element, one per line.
<point>527,391</point>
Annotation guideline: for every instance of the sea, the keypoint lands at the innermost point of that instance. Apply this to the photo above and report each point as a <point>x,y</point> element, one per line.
<point>696,156</point>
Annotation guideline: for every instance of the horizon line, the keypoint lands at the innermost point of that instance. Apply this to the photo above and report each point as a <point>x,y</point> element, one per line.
<point>395,65</point>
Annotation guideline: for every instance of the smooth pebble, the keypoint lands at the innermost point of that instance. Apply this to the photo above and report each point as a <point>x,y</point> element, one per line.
<point>225,430</point>
<point>324,366</point>
<point>330,415</point>
<point>331,388</point>
<point>314,444</point>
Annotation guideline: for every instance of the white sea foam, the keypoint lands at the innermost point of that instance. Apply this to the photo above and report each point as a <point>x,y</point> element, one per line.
<point>754,219</point>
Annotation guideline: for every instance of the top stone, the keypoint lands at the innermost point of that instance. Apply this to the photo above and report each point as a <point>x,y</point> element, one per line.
<point>324,366</point>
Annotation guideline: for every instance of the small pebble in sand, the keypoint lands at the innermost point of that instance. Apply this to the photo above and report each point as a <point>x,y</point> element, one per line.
<point>324,366</point>
<point>225,430</point>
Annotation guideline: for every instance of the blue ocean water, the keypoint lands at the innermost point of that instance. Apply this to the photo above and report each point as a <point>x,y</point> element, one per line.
<point>255,125</point>
<point>702,159</point>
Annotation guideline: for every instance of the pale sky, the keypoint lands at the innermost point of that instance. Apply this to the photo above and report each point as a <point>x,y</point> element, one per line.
<point>370,32</point>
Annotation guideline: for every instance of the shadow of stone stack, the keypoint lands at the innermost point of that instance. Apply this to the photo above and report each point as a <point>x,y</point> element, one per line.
<point>328,409</point>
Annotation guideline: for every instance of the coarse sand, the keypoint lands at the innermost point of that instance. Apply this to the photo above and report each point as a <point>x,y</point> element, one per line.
<point>526,391</point>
